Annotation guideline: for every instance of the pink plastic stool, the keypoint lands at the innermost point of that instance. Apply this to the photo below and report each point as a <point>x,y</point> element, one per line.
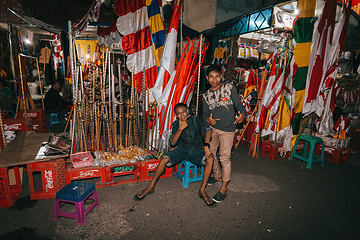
<point>76,193</point>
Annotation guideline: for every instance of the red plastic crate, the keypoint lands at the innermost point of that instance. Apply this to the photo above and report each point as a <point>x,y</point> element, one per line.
<point>273,150</point>
<point>334,155</point>
<point>86,173</point>
<point>9,193</point>
<point>52,178</point>
<point>122,173</point>
<point>19,125</point>
<point>38,118</point>
<point>81,159</point>
<point>148,167</point>
<point>38,127</point>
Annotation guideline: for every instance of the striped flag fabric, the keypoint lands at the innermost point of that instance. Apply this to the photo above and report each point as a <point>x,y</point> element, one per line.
<point>108,35</point>
<point>167,61</point>
<point>59,55</point>
<point>287,99</point>
<point>137,42</point>
<point>157,28</point>
<point>327,42</point>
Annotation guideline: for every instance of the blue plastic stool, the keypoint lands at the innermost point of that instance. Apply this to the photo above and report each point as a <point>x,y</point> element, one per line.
<point>308,154</point>
<point>76,193</point>
<point>188,172</point>
<point>54,119</point>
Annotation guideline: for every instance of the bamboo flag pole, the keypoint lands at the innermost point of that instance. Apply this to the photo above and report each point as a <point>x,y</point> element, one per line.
<point>121,103</point>
<point>262,88</point>
<point>2,130</point>
<point>22,90</point>
<point>198,80</point>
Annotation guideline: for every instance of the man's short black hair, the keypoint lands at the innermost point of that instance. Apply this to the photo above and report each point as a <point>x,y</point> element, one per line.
<point>56,81</point>
<point>213,67</point>
<point>180,105</point>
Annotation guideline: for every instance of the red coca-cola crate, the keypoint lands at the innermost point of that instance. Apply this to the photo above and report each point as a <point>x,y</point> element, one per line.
<point>87,173</point>
<point>334,155</point>
<point>273,150</point>
<point>148,167</point>
<point>38,127</point>
<point>9,193</point>
<point>38,118</point>
<point>122,173</point>
<point>18,125</point>
<point>52,178</point>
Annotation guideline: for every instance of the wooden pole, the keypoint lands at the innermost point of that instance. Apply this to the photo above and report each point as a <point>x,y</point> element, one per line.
<point>41,92</point>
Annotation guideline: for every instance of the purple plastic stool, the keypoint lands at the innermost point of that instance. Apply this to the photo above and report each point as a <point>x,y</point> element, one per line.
<point>76,192</point>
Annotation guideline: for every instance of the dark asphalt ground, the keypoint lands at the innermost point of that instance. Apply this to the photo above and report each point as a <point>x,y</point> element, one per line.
<point>266,200</point>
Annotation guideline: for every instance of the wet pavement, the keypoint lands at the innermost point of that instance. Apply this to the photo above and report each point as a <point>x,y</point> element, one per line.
<point>266,200</point>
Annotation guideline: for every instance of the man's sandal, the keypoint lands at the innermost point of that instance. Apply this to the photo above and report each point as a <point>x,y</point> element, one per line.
<point>208,201</point>
<point>141,195</point>
<point>219,197</point>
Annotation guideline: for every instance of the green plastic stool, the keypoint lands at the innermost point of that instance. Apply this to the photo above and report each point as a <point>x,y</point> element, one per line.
<point>308,155</point>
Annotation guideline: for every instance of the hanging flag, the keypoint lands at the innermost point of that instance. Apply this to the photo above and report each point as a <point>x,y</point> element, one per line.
<point>327,42</point>
<point>108,35</point>
<point>272,100</point>
<point>262,112</point>
<point>157,28</point>
<point>250,85</point>
<point>133,23</point>
<point>91,15</point>
<point>59,55</point>
<point>167,61</point>
<point>286,102</point>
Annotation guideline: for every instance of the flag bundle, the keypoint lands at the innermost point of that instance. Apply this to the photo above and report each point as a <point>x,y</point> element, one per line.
<point>328,40</point>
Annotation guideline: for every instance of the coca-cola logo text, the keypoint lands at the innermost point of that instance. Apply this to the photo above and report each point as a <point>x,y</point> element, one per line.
<point>49,179</point>
<point>12,127</point>
<point>84,174</point>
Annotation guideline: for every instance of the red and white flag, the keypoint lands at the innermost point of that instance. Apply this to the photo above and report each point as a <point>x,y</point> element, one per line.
<point>328,40</point>
<point>59,55</point>
<point>133,23</point>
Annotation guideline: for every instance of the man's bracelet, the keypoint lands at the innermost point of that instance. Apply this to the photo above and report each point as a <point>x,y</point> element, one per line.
<point>206,145</point>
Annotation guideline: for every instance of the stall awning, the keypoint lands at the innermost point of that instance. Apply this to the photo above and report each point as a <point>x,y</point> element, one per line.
<point>251,22</point>
<point>35,22</point>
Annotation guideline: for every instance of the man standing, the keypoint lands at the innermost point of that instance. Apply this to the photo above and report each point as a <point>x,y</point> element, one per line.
<point>188,134</point>
<point>219,106</point>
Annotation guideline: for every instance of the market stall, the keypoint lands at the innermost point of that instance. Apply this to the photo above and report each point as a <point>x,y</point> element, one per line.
<point>269,62</point>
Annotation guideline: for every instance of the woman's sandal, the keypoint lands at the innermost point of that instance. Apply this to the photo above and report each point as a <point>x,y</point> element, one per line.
<point>141,195</point>
<point>208,201</point>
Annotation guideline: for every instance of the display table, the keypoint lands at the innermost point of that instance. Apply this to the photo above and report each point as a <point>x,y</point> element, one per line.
<point>23,151</point>
<point>24,148</point>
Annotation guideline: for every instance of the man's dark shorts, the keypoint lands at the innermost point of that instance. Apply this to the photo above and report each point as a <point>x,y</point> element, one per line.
<point>195,156</point>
